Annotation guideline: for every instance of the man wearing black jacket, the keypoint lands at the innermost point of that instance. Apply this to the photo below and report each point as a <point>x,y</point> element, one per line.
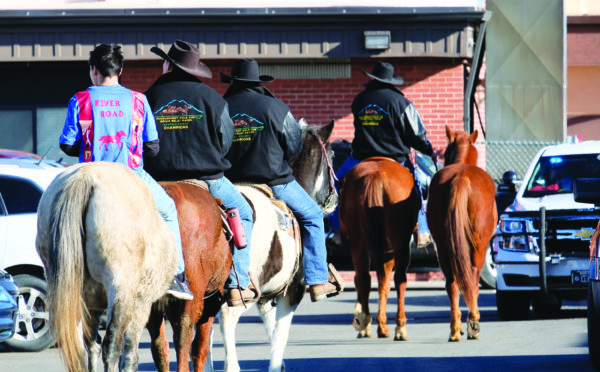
<point>386,124</point>
<point>195,133</point>
<point>266,138</point>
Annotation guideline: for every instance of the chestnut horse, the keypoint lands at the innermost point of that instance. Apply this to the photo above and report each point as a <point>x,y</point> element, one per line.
<point>207,256</point>
<point>104,247</point>
<point>461,213</point>
<point>378,214</point>
<point>276,253</point>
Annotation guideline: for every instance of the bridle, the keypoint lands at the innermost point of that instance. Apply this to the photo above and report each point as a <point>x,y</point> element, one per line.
<point>332,177</point>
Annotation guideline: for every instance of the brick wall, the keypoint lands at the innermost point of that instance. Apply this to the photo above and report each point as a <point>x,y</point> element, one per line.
<point>435,87</point>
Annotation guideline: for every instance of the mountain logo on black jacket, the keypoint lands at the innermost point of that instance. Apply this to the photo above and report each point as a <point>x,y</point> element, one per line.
<point>245,126</point>
<point>372,115</point>
<point>177,114</point>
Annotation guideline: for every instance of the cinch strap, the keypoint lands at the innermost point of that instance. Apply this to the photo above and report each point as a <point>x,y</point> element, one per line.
<point>86,120</point>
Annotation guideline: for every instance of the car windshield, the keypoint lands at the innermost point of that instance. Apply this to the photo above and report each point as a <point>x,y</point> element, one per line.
<point>555,174</point>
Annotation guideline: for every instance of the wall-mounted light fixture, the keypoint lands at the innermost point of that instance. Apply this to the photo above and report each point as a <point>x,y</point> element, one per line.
<point>378,39</point>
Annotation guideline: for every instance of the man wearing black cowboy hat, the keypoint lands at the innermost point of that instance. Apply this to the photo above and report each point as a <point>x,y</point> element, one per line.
<point>386,124</point>
<point>195,132</point>
<point>267,136</point>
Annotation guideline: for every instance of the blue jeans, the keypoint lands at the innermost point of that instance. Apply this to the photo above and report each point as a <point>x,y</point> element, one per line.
<point>168,211</point>
<point>230,196</point>
<point>310,219</point>
<point>334,217</point>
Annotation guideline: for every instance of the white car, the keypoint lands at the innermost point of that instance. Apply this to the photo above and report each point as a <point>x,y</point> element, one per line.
<point>541,250</point>
<point>22,182</point>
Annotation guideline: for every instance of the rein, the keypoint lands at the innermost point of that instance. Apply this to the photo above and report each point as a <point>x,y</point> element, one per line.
<point>332,177</point>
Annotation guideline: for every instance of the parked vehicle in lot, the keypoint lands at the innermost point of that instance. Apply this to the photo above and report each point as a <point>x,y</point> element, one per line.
<point>22,182</point>
<point>8,305</point>
<point>541,250</point>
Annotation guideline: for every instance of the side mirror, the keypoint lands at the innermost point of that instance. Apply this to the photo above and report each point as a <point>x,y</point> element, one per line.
<point>587,190</point>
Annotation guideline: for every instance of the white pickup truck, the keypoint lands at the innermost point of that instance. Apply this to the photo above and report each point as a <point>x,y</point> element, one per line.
<point>541,247</point>
<point>22,182</point>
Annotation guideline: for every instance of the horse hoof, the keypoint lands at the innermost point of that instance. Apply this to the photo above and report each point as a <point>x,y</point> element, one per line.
<point>454,338</point>
<point>383,332</point>
<point>401,334</point>
<point>473,330</point>
<point>363,334</point>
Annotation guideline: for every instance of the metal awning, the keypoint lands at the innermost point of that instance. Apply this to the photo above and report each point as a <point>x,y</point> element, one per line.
<point>335,32</point>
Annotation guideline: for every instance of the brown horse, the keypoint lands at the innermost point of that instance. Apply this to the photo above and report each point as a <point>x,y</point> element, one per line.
<point>461,213</point>
<point>378,213</point>
<point>208,261</point>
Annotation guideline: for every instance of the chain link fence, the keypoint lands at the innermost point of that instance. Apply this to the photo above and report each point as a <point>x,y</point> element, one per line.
<point>511,155</point>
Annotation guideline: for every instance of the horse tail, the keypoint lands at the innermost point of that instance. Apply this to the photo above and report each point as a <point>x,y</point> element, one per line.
<point>462,240</point>
<point>65,269</point>
<point>374,202</point>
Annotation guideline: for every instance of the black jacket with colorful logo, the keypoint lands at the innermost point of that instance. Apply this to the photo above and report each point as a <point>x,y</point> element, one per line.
<point>194,129</point>
<point>386,124</point>
<point>266,136</point>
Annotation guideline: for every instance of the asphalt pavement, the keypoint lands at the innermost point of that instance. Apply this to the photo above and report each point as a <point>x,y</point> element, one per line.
<point>322,339</point>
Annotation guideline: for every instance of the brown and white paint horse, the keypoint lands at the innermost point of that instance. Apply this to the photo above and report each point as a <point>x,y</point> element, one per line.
<point>275,259</point>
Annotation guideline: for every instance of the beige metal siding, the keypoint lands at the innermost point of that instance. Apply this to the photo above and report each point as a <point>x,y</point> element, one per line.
<point>526,71</point>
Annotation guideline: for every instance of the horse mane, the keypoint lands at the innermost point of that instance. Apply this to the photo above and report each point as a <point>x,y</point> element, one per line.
<point>312,166</point>
<point>460,148</point>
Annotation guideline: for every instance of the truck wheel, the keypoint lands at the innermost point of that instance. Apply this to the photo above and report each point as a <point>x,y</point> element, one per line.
<point>488,272</point>
<point>33,326</point>
<point>512,305</point>
<point>547,304</point>
<point>593,326</point>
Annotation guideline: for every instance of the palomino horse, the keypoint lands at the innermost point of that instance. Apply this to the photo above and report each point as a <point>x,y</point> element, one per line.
<point>461,213</point>
<point>378,214</point>
<point>208,260</point>
<point>275,259</point>
<point>104,246</point>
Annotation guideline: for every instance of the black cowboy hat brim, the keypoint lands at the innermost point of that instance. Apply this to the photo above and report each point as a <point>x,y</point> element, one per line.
<point>396,80</point>
<point>200,70</point>
<point>261,79</point>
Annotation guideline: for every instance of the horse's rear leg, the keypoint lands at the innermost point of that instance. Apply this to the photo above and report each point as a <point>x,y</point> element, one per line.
<point>384,278</point>
<point>130,356</point>
<point>112,345</point>
<point>183,334</point>
<point>201,346</point>
<point>400,282</point>
<point>159,345</point>
<point>455,323</point>
<point>471,300</point>
<point>362,283</point>
<point>230,317</point>
<point>281,320</point>
<point>92,343</point>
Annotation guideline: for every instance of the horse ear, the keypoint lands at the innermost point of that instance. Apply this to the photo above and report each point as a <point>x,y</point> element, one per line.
<point>449,133</point>
<point>473,136</point>
<point>326,130</point>
<point>303,124</point>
